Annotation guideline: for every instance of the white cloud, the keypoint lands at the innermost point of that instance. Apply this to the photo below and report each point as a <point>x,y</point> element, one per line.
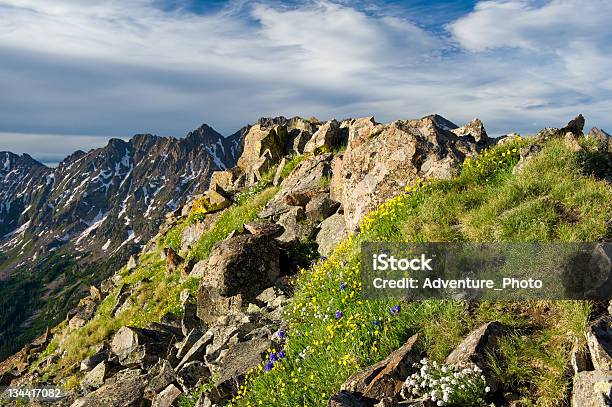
<point>117,67</point>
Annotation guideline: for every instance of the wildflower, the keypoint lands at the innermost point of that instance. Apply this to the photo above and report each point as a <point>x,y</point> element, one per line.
<point>342,286</point>
<point>281,354</point>
<point>487,389</point>
<point>273,357</point>
<point>280,334</point>
<point>395,310</point>
<point>344,263</point>
<point>339,314</point>
<point>376,322</point>
<point>268,366</point>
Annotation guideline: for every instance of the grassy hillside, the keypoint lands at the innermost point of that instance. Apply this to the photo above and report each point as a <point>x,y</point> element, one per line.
<point>155,292</point>
<point>332,332</point>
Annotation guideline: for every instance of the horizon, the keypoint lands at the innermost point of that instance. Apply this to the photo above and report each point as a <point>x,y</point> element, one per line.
<point>74,76</point>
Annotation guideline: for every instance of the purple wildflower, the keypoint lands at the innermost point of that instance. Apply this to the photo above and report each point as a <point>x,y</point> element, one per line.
<point>281,334</point>
<point>281,354</point>
<point>339,314</point>
<point>376,322</point>
<point>344,263</point>
<point>395,310</point>
<point>273,357</point>
<point>268,366</point>
<point>342,286</point>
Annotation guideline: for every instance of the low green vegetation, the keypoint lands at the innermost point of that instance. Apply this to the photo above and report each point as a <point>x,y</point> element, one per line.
<point>155,291</point>
<point>332,332</point>
<point>231,220</point>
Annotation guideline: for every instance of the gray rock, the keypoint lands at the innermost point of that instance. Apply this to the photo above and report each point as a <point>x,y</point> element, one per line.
<point>306,178</point>
<point>95,359</point>
<point>239,267</point>
<point>166,397</point>
<point>380,161</point>
<point>199,269</point>
<point>473,350</point>
<point>125,389</point>
<point>321,207</point>
<point>191,374</point>
<point>599,339</point>
<point>592,389</point>
<point>139,346</point>
<point>278,176</point>
<point>185,345</point>
<point>324,139</point>
<point>298,228</point>
<point>160,376</point>
<point>95,379</point>
<point>580,358</point>
<point>346,399</point>
<point>132,264</point>
<point>197,351</point>
<point>333,231</point>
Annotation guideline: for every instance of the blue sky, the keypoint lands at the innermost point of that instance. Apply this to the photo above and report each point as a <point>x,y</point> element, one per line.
<point>73,74</point>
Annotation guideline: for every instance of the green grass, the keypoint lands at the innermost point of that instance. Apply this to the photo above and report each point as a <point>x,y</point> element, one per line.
<point>552,199</point>
<point>155,291</point>
<point>231,220</point>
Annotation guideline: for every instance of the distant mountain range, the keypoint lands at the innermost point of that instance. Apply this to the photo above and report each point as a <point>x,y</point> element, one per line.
<point>94,209</point>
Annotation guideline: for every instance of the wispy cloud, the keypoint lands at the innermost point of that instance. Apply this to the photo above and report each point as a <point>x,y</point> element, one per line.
<point>118,68</point>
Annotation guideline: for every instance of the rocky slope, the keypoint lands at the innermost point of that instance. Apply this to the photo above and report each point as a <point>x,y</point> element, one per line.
<point>206,307</point>
<point>97,205</point>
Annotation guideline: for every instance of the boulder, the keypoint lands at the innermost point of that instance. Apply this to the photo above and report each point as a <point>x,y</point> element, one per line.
<point>191,374</point>
<point>576,125</point>
<point>332,232</point>
<point>306,179</point>
<point>346,399</point>
<point>197,350</point>
<point>167,397</point>
<point>260,142</point>
<point>473,350</point>
<point>100,355</point>
<point>225,179</point>
<point>95,379</point>
<point>199,269</point>
<point>212,306</point>
<point>124,389</point>
<point>263,228</point>
<point>599,340</point>
<point>603,139</point>
<point>593,389</point>
<point>378,166</point>
<point>132,264</point>
<point>161,375</point>
<point>298,228</point>
<point>474,129</point>
<point>580,358</point>
<point>324,139</point>
<point>381,379</point>
<point>135,346</point>
<point>278,175</point>
<point>245,265</point>
<point>321,207</point>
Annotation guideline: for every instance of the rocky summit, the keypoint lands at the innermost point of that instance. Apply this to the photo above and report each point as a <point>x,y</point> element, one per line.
<point>240,281</point>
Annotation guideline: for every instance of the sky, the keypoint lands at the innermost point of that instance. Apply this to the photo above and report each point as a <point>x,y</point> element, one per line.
<point>75,73</point>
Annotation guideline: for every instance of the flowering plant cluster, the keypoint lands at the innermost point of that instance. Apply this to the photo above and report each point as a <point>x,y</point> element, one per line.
<point>446,385</point>
<point>492,160</point>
